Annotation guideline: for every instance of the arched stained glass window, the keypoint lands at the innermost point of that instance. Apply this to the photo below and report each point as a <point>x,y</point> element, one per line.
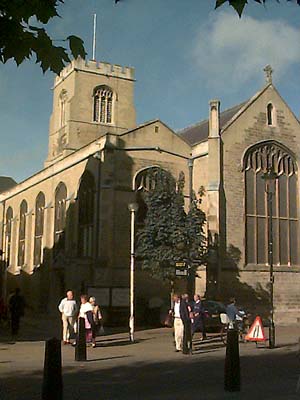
<point>60,216</point>
<point>145,181</point>
<point>86,201</point>
<point>22,233</point>
<point>8,233</point>
<point>103,98</point>
<point>39,229</point>
<point>285,205</point>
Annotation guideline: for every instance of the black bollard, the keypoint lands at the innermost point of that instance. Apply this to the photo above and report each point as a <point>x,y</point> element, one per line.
<point>52,381</point>
<point>232,381</point>
<point>80,348</point>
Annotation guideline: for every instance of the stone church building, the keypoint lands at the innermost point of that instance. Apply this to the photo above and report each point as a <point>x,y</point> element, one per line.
<point>68,226</point>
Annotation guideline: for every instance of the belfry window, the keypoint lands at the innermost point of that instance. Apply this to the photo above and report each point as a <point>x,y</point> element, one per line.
<point>103,99</point>
<point>60,217</point>
<point>86,199</point>
<point>39,229</point>
<point>22,233</point>
<point>62,108</point>
<point>8,233</point>
<point>285,220</point>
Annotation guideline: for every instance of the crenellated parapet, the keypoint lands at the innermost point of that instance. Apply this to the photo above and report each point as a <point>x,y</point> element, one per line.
<point>98,67</point>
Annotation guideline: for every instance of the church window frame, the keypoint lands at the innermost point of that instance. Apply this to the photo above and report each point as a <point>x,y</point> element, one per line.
<point>86,214</point>
<point>271,114</point>
<point>8,233</point>
<point>103,100</point>
<point>22,233</point>
<point>39,229</point>
<point>60,213</point>
<point>285,208</point>
<point>144,181</point>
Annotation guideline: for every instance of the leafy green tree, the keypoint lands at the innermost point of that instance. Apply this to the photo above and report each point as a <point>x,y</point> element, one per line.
<point>23,34</point>
<point>239,5</point>
<point>169,234</point>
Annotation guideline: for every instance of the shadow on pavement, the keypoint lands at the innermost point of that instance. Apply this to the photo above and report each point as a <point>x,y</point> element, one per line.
<point>269,375</point>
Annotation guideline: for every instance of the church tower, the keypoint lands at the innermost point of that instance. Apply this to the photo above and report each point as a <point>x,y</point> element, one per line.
<point>90,99</point>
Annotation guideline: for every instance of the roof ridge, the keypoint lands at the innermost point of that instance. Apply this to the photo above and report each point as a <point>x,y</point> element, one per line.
<point>180,131</point>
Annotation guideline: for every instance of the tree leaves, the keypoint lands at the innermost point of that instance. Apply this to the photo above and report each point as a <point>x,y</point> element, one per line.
<point>76,46</point>
<point>20,41</point>
<point>239,5</point>
<point>169,233</point>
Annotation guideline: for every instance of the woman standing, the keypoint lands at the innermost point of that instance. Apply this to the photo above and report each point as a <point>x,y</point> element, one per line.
<point>97,316</point>
<point>86,312</point>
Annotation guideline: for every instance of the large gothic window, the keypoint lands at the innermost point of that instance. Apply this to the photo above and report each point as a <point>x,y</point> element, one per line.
<point>60,217</point>
<point>39,229</point>
<point>284,210</point>
<point>103,98</point>
<point>145,181</point>
<point>86,200</point>
<point>22,233</point>
<point>8,233</point>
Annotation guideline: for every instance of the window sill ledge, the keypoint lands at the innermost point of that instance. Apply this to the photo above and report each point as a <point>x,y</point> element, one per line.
<point>276,268</point>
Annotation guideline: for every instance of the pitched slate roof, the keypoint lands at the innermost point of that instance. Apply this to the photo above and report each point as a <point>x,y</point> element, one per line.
<point>197,133</point>
<point>6,183</point>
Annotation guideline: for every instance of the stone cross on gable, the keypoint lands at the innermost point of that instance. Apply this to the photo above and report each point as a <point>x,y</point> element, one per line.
<point>268,73</point>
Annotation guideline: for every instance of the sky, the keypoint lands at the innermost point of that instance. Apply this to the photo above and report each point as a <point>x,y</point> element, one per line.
<point>184,53</point>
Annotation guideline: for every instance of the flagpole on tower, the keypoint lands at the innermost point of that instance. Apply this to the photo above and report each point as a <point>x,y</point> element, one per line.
<point>94,37</point>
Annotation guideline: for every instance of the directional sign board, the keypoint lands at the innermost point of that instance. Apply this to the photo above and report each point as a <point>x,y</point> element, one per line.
<point>181,269</point>
<point>181,272</point>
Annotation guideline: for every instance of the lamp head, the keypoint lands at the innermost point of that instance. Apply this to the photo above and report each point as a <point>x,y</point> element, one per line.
<point>133,207</point>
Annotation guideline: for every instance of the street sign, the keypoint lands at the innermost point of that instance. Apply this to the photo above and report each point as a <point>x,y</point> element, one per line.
<point>256,332</point>
<point>181,272</point>
<point>180,264</point>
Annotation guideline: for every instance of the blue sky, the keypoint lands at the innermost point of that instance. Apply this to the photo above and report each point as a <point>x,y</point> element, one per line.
<point>184,52</point>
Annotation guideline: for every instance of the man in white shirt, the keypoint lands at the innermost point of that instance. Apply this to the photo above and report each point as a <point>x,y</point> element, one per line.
<point>68,309</point>
<point>178,324</point>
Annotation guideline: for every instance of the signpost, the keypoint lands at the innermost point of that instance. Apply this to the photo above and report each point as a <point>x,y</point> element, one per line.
<point>181,269</point>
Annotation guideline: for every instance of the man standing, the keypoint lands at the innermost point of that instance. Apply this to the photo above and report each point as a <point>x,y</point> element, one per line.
<point>68,309</point>
<point>198,323</point>
<point>178,324</point>
<point>185,311</point>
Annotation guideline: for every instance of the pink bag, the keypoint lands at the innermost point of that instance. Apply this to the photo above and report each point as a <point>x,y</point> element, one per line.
<point>86,323</point>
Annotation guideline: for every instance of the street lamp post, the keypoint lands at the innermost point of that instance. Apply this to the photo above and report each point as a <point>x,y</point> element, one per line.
<point>133,207</point>
<point>270,176</point>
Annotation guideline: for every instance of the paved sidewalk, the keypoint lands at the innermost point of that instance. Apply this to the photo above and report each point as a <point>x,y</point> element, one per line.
<point>151,370</point>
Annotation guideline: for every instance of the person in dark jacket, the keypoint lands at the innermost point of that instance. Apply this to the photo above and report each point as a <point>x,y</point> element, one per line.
<point>198,323</point>
<point>185,311</point>
<point>16,308</point>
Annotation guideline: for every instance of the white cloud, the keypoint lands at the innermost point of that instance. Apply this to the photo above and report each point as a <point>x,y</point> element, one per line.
<point>230,51</point>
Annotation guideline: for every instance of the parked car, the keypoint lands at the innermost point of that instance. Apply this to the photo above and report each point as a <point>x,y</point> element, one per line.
<point>213,310</point>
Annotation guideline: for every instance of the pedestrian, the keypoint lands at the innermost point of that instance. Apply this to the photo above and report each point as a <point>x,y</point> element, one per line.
<point>235,316</point>
<point>185,314</point>
<point>69,311</point>
<point>178,324</point>
<point>97,316</point>
<point>16,309</point>
<point>86,312</point>
<point>198,323</point>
